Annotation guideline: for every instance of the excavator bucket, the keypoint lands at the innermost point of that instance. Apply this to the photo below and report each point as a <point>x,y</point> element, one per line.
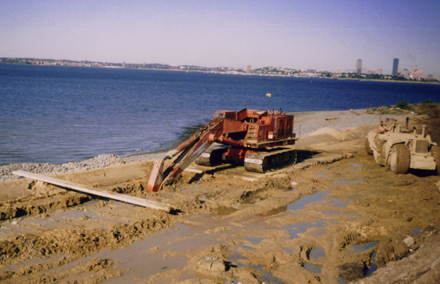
<point>156,177</point>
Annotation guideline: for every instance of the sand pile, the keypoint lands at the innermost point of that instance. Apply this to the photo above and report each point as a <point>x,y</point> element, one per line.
<point>338,135</point>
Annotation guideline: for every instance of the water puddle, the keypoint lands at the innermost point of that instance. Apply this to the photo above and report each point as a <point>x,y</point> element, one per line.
<point>336,202</point>
<point>254,240</point>
<point>34,224</point>
<point>416,232</point>
<point>146,257</point>
<point>268,277</point>
<point>300,228</point>
<point>371,269</point>
<point>341,280</point>
<point>312,268</point>
<point>274,211</point>
<point>224,210</point>
<point>245,247</point>
<point>299,204</point>
<point>289,250</point>
<point>355,249</point>
<point>321,175</point>
<point>316,253</point>
<point>340,181</point>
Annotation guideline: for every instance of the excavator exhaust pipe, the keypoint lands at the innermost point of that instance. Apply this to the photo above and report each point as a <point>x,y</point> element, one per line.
<point>156,177</point>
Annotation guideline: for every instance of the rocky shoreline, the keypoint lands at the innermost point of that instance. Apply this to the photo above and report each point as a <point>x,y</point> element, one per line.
<point>305,124</point>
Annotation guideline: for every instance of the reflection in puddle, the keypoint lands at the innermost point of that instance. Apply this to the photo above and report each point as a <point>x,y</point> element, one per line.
<point>336,202</point>
<point>316,253</point>
<point>299,228</point>
<point>254,240</point>
<point>274,211</point>
<point>321,175</point>
<point>416,232</point>
<point>312,268</point>
<point>181,226</point>
<point>224,210</point>
<point>245,247</point>
<point>357,165</point>
<point>288,250</point>
<point>299,204</point>
<point>371,269</point>
<point>267,275</point>
<point>364,247</point>
<point>361,248</point>
<point>31,224</point>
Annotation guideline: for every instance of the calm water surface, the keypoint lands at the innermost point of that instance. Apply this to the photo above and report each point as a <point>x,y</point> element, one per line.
<point>61,114</point>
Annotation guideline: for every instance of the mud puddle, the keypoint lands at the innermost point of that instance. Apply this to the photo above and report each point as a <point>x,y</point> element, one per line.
<point>86,214</point>
<point>296,229</point>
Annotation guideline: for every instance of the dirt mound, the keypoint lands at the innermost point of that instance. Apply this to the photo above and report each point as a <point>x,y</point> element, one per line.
<point>338,135</point>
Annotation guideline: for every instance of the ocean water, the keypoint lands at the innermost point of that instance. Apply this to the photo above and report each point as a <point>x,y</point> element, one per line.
<point>52,114</point>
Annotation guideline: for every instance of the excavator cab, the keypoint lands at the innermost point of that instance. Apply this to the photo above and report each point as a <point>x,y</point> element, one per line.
<point>226,114</point>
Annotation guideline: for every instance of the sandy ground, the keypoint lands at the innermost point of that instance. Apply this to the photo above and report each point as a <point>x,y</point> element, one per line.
<point>334,217</point>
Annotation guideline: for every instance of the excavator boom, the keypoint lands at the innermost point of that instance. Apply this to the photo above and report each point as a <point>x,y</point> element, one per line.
<point>246,131</point>
<point>178,159</point>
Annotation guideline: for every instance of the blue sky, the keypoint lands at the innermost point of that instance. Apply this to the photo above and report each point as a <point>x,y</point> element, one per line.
<point>322,35</point>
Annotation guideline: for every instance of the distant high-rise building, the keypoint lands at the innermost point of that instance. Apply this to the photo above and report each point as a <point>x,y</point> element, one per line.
<point>338,70</point>
<point>249,68</point>
<point>358,66</point>
<point>395,66</point>
<point>363,70</point>
<point>379,71</point>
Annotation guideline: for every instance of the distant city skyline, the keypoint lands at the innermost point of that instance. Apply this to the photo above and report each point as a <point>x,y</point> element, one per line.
<point>323,35</point>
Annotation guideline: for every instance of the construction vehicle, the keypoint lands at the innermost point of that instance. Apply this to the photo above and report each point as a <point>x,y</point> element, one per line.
<point>402,149</point>
<point>260,139</point>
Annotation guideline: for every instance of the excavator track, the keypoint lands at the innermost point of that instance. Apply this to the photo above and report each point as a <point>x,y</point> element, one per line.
<point>211,156</point>
<point>260,162</point>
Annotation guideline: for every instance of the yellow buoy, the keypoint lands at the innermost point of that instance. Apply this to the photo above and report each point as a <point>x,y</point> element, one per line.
<point>268,95</point>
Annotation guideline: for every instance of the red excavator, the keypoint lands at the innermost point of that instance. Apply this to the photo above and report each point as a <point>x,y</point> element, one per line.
<point>261,139</point>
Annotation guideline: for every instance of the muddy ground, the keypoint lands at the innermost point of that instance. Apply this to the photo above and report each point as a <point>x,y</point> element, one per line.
<point>334,217</point>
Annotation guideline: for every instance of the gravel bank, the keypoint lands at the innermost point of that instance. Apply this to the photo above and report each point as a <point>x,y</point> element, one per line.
<point>305,124</point>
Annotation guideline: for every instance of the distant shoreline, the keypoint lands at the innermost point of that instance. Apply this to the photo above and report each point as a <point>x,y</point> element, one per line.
<point>386,81</point>
<point>230,73</point>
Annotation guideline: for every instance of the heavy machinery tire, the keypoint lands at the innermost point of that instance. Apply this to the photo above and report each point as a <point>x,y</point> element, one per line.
<point>367,147</point>
<point>399,159</point>
<point>436,154</point>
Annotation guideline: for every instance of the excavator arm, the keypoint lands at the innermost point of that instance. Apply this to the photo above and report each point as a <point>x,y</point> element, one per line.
<point>178,159</point>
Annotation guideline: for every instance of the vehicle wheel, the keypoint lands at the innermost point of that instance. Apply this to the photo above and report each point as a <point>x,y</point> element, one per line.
<point>367,147</point>
<point>399,159</point>
<point>436,154</point>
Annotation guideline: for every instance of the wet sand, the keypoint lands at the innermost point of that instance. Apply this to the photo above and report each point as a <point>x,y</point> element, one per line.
<point>334,217</point>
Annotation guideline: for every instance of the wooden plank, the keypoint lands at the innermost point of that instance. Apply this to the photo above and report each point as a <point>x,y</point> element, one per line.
<point>110,195</point>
